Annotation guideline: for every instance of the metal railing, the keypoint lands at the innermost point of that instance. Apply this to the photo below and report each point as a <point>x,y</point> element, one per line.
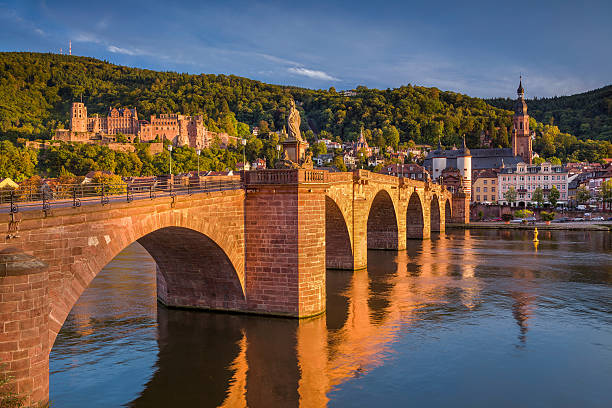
<point>75,195</point>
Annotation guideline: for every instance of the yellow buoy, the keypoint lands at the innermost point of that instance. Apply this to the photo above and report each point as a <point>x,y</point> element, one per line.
<point>535,235</point>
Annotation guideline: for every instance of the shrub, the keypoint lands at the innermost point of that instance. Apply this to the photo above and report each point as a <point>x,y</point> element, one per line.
<point>506,217</point>
<point>547,216</point>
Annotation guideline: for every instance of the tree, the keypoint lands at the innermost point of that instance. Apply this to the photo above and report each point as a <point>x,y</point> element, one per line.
<point>547,216</point>
<point>582,195</point>
<point>538,196</point>
<point>510,195</point>
<point>553,196</point>
<point>538,160</point>
<point>391,136</point>
<point>606,194</point>
<point>339,163</point>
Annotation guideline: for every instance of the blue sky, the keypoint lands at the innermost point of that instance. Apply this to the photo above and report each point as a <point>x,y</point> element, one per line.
<point>473,47</point>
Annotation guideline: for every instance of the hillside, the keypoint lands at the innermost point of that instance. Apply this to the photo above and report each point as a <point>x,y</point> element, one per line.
<point>36,91</point>
<point>587,115</point>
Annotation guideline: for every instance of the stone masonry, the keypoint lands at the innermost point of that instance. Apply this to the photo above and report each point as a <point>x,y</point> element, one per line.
<point>260,249</point>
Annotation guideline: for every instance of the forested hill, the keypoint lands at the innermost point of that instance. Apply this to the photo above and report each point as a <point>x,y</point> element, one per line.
<point>36,91</point>
<point>587,115</point>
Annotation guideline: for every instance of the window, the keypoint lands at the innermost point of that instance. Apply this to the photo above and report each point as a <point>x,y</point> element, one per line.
<point>492,189</point>
<point>485,181</point>
<point>485,190</point>
<point>478,189</point>
<point>477,198</point>
<point>492,181</point>
<point>484,198</point>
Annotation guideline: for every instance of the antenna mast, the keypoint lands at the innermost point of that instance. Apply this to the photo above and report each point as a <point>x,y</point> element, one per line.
<point>69,47</point>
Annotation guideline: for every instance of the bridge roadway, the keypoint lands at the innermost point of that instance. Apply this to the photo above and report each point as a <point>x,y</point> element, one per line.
<point>261,248</point>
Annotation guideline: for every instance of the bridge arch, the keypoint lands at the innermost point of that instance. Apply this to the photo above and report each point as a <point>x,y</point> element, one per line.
<point>435,216</point>
<point>448,212</point>
<point>382,225</point>
<point>199,256</point>
<point>338,243</point>
<point>415,221</point>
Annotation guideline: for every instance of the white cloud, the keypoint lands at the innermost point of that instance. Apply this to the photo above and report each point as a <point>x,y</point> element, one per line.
<point>312,73</point>
<point>119,50</point>
<point>87,38</point>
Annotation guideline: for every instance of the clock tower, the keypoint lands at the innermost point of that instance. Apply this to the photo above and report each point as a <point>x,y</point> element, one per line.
<point>521,136</point>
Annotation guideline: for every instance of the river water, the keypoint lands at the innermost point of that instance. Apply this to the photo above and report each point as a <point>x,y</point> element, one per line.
<point>466,319</point>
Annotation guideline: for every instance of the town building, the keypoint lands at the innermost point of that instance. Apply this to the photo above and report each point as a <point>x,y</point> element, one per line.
<point>412,171</point>
<point>525,179</point>
<point>484,186</point>
<point>323,159</point>
<point>361,146</point>
<point>460,159</point>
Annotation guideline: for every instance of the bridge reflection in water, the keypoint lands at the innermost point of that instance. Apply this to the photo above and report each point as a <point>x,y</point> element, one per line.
<point>228,360</point>
<point>260,361</point>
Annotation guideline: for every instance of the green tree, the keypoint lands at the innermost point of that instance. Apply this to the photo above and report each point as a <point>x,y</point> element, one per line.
<point>538,196</point>
<point>538,160</point>
<point>510,195</point>
<point>605,194</point>
<point>553,196</point>
<point>583,195</point>
<point>339,163</point>
<point>391,136</point>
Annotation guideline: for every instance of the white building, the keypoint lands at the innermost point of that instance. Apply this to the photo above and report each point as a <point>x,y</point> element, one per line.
<point>527,178</point>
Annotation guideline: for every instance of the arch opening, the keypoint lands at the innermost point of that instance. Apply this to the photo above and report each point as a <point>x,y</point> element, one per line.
<point>382,223</point>
<point>192,271</point>
<point>414,218</point>
<point>338,247</point>
<point>447,212</point>
<point>435,214</point>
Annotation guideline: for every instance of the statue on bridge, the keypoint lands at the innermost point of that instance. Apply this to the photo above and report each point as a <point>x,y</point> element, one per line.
<point>294,122</point>
<point>294,155</point>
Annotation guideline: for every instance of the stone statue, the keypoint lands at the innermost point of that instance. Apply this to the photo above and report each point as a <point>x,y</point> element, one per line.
<point>293,122</point>
<point>286,162</point>
<point>307,164</point>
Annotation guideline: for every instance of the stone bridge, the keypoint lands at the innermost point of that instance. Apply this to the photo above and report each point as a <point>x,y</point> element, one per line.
<point>262,248</point>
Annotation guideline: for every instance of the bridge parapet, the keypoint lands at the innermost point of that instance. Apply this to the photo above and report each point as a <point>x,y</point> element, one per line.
<point>290,176</point>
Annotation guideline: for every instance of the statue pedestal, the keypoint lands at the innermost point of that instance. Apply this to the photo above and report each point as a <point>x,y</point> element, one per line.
<point>296,150</point>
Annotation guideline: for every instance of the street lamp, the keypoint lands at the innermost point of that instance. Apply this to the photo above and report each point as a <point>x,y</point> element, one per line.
<point>244,142</point>
<point>170,150</point>
<point>278,149</point>
<point>198,152</point>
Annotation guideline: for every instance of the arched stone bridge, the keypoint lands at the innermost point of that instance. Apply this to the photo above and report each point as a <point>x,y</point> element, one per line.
<point>263,248</point>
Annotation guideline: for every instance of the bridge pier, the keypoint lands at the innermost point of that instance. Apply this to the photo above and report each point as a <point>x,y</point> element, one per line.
<point>285,242</point>
<point>24,332</point>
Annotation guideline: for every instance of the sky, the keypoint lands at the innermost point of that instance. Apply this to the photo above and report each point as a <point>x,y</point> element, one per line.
<point>476,47</point>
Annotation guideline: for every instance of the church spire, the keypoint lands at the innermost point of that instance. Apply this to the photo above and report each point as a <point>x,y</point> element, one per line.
<point>520,91</point>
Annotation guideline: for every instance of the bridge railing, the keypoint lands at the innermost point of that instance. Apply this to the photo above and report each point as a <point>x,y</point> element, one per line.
<point>289,176</point>
<point>75,195</point>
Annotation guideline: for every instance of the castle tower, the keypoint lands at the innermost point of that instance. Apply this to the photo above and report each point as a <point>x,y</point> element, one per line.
<point>78,117</point>
<point>521,137</point>
<point>464,164</point>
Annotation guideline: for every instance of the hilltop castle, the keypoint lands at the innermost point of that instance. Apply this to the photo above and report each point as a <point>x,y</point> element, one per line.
<point>181,130</point>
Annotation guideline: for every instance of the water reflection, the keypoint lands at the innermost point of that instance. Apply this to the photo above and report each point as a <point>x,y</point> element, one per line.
<point>427,322</point>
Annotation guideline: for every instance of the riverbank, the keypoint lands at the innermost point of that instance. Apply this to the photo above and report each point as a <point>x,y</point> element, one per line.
<point>568,226</point>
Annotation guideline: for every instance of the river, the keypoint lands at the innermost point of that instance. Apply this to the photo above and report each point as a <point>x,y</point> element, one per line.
<point>475,318</point>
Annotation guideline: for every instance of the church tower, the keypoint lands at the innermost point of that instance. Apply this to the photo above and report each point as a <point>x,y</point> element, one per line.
<point>521,136</point>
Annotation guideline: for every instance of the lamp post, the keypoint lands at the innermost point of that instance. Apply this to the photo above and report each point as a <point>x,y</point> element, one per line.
<point>198,152</point>
<point>278,149</point>
<point>244,142</point>
<point>170,150</point>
